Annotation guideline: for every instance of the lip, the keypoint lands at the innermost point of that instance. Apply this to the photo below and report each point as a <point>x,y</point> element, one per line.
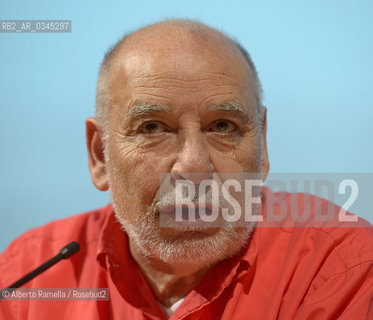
<point>172,209</point>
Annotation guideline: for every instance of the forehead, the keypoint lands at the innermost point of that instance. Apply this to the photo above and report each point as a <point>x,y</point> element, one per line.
<point>182,67</point>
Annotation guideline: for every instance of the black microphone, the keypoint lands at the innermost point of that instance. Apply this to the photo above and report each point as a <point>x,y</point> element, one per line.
<point>65,253</point>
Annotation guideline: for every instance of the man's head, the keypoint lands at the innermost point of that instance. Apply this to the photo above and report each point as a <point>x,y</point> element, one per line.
<point>175,97</point>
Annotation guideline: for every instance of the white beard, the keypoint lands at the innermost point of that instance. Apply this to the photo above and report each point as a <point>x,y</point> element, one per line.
<point>201,251</point>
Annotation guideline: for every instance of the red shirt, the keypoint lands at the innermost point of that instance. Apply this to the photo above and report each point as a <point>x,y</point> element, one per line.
<point>313,272</point>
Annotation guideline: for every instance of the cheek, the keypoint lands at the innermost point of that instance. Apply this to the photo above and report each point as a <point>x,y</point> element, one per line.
<point>134,179</point>
<point>243,158</point>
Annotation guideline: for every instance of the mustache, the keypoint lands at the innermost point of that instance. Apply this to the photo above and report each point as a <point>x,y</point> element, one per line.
<point>178,198</point>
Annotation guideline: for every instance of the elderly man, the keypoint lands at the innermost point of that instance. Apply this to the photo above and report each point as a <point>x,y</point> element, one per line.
<point>182,99</point>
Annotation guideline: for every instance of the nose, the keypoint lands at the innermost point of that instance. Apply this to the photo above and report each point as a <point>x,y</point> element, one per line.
<point>193,161</point>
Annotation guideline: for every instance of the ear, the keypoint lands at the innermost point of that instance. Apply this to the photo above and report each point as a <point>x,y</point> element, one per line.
<point>96,159</point>
<point>265,161</point>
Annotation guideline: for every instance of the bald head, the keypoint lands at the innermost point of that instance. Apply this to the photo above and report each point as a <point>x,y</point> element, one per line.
<point>179,41</point>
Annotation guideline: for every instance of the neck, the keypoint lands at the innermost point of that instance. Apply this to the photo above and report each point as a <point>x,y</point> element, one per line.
<point>170,283</point>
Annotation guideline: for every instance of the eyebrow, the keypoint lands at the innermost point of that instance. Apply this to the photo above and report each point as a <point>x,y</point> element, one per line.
<point>141,109</point>
<point>233,107</point>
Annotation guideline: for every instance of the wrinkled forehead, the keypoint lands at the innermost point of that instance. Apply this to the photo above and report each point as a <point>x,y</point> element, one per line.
<point>173,56</point>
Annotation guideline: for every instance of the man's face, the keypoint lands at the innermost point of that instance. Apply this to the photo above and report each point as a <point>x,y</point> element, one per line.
<point>179,109</point>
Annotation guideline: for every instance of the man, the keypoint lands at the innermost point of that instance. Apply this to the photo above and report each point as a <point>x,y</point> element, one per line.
<point>182,99</point>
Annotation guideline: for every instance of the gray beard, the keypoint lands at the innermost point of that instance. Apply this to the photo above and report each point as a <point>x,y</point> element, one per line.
<point>199,251</point>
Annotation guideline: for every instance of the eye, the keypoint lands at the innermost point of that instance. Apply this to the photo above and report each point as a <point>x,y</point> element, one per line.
<point>222,126</point>
<point>152,127</point>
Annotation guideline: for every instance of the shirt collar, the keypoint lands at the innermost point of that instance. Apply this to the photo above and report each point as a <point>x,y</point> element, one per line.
<point>103,247</point>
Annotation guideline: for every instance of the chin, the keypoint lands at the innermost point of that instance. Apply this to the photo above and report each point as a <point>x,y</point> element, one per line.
<point>200,247</point>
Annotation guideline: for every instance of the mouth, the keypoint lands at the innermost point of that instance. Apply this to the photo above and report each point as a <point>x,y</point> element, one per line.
<point>184,216</point>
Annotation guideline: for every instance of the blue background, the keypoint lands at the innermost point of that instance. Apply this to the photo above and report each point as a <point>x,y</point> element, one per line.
<point>314,59</point>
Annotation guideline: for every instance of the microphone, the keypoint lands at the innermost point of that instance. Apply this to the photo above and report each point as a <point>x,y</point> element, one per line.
<point>65,253</point>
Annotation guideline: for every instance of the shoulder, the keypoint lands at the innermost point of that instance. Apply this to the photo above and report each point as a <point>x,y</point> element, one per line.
<point>325,263</point>
<point>40,244</point>
<point>307,221</point>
